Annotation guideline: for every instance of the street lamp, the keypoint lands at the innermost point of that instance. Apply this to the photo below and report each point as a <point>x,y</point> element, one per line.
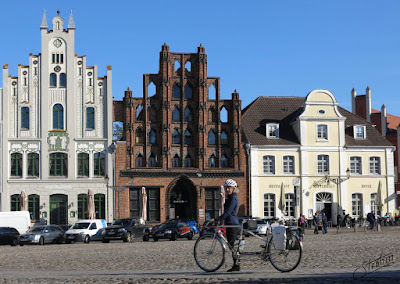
<point>338,182</point>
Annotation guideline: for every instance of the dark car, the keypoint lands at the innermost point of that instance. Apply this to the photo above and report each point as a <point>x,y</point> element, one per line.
<point>42,235</point>
<point>209,227</point>
<point>124,229</point>
<point>188,222</point>
<point>170,230</point>
<point>8,236</point>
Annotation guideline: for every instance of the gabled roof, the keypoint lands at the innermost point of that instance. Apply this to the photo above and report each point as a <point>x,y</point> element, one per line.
<point>284,110</point>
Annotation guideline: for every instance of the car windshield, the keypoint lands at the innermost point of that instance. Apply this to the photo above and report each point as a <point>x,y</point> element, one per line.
<point>123,222</point>
<point>261,222</point>
<point>35,229</point>
<point>168,225</point>
<point>81,226</point>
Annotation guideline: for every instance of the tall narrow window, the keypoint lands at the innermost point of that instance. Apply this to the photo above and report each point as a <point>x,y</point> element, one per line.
<point>176,137</point>
<point>63,80</point>
<point>224,161</point>
<point>58,117</point>
<point>188,66</point>
<point>14,202</point>
<point>224,115</point>
<point>177,65</point>
<point>355,165</point>
<point>212,93</point>
<point>83,165</point>
<point>212,161</point>
<point>139,161</point>
<point>188,115</point>
<point>90,118</point>
<point>224,138</point>
<point>212,202</point>
<point>356,205</point>
<point>25,118</point>
<point>139,136</point>
<point>33,165</point>
<point>269,165</point>
<point>33,206</point>
<point>139,112</point>
<point>99,164</point>
<point>288,165</point>
<point>16,165</point>
<point>373,202</point>
<point>289,204</point>
<point>176,114</point>
<point>53,80</point>
<point>188,137</point>
<point>322,132</point>
<point>323,164</point>
<point>176,91</point>
<point>188,161</point>
<point>212,115</point>
<point>100,205</point>
<point>151,90</point>
<point>82,201</point>
<point>176,161</point>
<point>188,91</point>
<point>152,160</point>
<point>211,137</point>
<point>58,165</point>
<point>153,203</point>
<point>375,165</point>
<point>269,205</point>
<point>152,137</point>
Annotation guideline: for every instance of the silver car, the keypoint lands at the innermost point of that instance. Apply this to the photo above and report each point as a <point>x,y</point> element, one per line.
<point>42,235</point>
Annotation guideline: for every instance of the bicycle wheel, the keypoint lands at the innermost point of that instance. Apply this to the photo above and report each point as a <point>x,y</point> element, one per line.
<point>287,259</point>
<point>209,252</point>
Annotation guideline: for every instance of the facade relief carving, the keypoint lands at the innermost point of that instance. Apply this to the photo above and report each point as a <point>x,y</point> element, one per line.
<point>58,141</point>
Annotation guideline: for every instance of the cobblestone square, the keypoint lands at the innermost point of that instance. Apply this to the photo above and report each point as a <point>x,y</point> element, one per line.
<point>330,258</point>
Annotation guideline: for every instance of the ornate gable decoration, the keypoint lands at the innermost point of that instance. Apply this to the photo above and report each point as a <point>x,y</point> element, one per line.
<point>58,141</point>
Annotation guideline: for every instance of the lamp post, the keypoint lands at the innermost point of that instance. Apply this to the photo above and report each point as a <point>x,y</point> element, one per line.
<point>338,181</point>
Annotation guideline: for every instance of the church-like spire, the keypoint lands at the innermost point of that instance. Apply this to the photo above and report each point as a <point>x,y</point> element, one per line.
<point>44,21</point>
<point>71,24</point>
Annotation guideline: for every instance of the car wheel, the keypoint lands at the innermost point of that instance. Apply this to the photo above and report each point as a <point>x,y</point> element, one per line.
<point>190,236</point>
<point>146,238</point>
<point>105,241</point>
<point>67,241</point>
<point>41,241</point>
<point>174,237</point>
<point>14,242</point>
<point>128,237</point>
<point>155,239</point>
<point>86,239</point>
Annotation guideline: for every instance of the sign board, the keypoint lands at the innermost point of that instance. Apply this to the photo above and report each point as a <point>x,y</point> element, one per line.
<point>201,213</point>
<point>171,213</point>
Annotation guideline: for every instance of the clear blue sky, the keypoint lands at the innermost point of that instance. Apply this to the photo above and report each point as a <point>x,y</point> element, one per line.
<point>260,48</point>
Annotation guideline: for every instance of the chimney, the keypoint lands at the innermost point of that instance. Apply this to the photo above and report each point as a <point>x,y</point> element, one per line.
<point>383,120</point>
<point>353,101</point>
<point>368,104</point>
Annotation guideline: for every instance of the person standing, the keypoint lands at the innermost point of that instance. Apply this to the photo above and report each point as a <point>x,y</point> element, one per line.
<point>316,222</point>
<point>231,207</point>
<point>325,223</point>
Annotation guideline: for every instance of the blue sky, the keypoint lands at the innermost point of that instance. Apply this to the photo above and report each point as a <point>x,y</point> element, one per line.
<point>260,48</point>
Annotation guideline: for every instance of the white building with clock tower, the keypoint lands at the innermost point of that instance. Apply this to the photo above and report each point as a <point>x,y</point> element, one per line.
<point>57,132</point>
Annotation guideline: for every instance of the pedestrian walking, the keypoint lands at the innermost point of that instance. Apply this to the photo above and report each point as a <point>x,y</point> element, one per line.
<point>325,223</point>
<point>371,219</point>
<point>316,222</point>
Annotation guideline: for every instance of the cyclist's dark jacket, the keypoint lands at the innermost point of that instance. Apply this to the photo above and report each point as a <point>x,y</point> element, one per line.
<point>230,210</point>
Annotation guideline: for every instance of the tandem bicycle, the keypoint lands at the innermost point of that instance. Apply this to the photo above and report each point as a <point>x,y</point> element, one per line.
<point>285,255</point>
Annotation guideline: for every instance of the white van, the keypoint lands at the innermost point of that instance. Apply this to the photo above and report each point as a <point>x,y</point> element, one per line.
<point>20,220</point>
<point>86,231</point>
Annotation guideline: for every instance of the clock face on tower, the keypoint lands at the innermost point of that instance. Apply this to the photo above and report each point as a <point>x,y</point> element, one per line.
<point>57,43</point>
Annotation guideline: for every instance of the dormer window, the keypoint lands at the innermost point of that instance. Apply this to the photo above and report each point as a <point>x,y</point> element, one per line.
<point>359,132</point>
<point>273,130</point>
<point>322,132</point>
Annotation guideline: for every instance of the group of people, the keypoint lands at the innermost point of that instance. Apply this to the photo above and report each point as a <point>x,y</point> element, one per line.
<point>320,221</point>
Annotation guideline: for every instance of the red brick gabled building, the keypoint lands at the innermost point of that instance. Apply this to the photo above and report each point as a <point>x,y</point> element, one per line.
<point>386,124</point>
<point>180,141</point>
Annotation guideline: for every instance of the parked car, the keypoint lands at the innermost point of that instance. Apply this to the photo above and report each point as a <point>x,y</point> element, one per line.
<point>209,227</point>
<point>9,236</point>
<point>20,220</point>
<point>124,229</point>
<point>86,231</point>
<point>169,230</point>
<point>42,235</point>
<point>188,222</point>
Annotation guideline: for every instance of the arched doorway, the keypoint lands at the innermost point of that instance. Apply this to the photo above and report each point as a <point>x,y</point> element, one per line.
<point>182,199</point>
<point>324,204</point>
<point>58,209</point>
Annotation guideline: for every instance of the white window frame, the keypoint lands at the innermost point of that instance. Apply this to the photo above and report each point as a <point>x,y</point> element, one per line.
<point>289,205</point>
<point>323,164</point>
<point>322,134</point>
<point>269,205</point>
<point>356,132</point>
<point>269,164</point>
<point>288,162</point>
<point>274,131</point>
<point>357,205</point>
<point>375,165</point>
<point>374,206</point>
<point>354,170</point>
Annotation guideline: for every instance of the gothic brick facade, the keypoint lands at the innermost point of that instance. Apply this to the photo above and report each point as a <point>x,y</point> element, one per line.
<point>180,141</point>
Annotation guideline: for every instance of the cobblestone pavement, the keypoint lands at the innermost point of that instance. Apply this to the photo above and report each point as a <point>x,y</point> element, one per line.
<point>330,258</point>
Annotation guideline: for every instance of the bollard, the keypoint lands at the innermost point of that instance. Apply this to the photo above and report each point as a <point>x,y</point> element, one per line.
<point>337,229</point>
<point>378,227</point>
<point>355,228</point>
